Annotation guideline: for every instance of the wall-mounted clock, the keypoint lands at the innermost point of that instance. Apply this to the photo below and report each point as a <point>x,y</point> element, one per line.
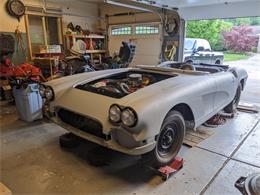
<point>15,8</point>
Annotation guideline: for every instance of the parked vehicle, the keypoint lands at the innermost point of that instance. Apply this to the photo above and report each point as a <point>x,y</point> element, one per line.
<point>199,51</point>
<point>144,110</point>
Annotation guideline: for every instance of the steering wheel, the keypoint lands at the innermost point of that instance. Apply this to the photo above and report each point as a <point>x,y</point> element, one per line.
<point>188,67</point>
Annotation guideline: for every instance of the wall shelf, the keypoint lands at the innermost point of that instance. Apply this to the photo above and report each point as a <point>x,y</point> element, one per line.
<point>96,51</point>
<point>72,38</point>
<point>85,36</point>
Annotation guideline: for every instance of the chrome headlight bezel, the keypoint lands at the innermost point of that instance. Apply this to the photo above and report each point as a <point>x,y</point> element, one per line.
<point>49,93</point>
<point>42,90</point>
<point>129,114</point>
<point>114,111</point>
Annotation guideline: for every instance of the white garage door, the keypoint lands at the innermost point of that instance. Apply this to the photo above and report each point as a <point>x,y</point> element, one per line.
<point>145,36</point>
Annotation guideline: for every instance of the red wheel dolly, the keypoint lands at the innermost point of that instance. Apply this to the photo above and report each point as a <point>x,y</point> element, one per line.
<point>168,170</point>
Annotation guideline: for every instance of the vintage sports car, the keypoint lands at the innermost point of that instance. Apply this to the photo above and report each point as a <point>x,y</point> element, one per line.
<point>143,110</point>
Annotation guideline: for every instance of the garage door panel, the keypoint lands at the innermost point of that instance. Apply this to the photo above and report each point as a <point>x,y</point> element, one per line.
<point>148,46</point>
<point>145,60</point>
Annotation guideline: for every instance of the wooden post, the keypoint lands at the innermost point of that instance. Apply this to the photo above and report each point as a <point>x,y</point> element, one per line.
<point>44,31</point>
<point>26,19</point>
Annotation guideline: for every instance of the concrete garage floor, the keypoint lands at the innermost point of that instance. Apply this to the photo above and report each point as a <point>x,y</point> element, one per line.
<point>33,163</point>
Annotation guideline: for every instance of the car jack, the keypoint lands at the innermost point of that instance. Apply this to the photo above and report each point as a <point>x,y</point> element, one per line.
<point>168,170</point>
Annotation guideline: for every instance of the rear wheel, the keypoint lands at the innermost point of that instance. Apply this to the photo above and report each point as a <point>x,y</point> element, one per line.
<point>232,106</point>
<point>169,141</point>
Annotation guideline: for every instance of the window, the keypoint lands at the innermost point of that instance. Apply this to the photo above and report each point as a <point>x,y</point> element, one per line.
<point>36,32</point>
<point>206,45</point>
<point>144,30</point>
<point>52,28</point>
<point>127,30</point>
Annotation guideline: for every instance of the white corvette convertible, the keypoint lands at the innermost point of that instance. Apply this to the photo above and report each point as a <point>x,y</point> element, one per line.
<point>143,110</point>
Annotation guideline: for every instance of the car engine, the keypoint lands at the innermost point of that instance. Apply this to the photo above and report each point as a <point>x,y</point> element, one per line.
<point>123,84</point>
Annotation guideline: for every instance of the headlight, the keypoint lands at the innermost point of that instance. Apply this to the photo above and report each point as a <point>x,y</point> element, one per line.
<point>115,113</point>
<point>42,90</point>
<point>49,94</point>
<point>129,117</point>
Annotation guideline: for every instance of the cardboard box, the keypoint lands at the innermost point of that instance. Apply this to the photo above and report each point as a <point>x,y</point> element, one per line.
<point>50,49</point>
<point>4,190</point>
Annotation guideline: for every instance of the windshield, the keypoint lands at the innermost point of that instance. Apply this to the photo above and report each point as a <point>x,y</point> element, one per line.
<point>189,43</point>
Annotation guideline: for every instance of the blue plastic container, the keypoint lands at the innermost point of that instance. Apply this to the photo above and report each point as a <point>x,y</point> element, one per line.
<point>28,102</point>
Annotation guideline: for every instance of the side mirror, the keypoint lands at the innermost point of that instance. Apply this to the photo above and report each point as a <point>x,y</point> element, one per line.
<point>200,48</point>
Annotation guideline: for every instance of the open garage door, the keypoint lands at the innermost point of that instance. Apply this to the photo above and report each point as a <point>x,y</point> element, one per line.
<point>210,9</point>
<point>144,24</point>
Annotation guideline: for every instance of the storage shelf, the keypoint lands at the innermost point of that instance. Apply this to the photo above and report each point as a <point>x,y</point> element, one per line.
<point>96,51</point>
<point>71,39</point>
<point>86,36</point>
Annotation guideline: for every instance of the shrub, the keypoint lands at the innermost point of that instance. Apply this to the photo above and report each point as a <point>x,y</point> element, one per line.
<point>209,30</point>
<point>254,50</point>
<point>239,39</point>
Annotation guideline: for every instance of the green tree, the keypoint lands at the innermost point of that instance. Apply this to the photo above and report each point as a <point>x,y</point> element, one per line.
<point>241,21</point>
<point>251,21</point>
<point>209,30</point>
<point>255,21</point>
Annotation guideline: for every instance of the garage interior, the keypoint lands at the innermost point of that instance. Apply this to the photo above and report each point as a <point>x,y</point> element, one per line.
<point>31,159</point>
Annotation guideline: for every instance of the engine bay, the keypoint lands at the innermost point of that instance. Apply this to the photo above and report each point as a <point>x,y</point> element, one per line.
<point>123,84</point>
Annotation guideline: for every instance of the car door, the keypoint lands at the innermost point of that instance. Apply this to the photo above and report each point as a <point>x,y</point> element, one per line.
<point>203,100</point>
<point>203,53</point>
<point>226,89</point>
<point>207,57</point>
<point>197,56</point>
<point>212,57</point>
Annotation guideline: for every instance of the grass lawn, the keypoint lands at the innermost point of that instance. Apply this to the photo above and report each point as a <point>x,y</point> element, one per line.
<point>235,56</point>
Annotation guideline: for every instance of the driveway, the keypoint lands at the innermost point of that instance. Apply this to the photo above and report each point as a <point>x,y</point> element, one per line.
<point>251,94</point>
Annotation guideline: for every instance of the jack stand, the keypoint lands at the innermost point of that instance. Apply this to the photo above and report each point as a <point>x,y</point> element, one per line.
<point>168,170</point>
<point>227,115</point>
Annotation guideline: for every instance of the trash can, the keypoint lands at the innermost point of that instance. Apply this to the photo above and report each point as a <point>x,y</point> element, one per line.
<point>28,102</point>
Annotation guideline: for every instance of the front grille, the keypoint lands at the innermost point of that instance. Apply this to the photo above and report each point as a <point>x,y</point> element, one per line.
<point>81,122</point>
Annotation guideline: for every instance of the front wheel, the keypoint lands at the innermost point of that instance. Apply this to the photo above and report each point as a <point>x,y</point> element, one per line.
<point>218,62</point>
<point>69,140</point>
<point>232,106</point>
<point>169,141</point>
